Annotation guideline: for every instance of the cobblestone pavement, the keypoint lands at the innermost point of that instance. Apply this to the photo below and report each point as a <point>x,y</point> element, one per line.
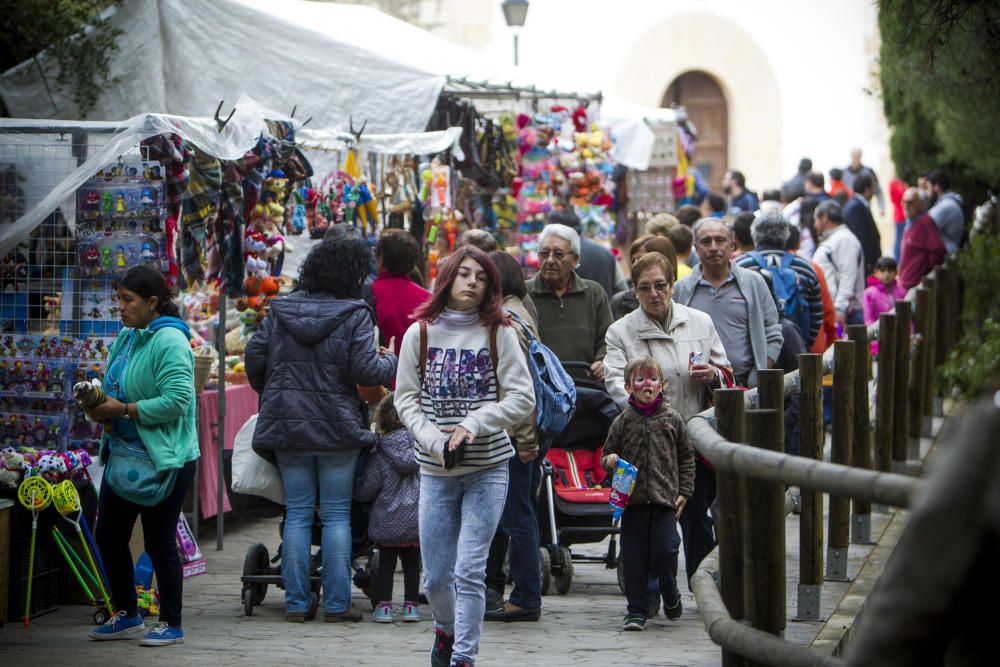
<point>579,629</point>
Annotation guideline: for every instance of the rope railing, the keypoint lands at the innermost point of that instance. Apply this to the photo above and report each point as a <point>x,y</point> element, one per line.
<point>740,587</point>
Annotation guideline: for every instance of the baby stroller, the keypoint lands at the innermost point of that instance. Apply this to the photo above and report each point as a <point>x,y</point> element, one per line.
<point>260,570</point>
<point>576,486</point>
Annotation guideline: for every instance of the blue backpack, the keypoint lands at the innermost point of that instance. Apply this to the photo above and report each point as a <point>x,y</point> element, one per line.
<point>787,291</point>
<point>555,393</point>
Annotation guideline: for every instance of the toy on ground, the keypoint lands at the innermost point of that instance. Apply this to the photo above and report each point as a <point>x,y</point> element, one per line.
<point>35,493</point>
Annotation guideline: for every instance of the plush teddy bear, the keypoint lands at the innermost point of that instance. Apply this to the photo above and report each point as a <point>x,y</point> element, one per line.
<point>12,466</point>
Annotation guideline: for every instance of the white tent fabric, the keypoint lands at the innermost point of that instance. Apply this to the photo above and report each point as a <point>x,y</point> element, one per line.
<point>332,61</point>
<point>630,124</point>
<point>239,136</point>
<point>420,143</point>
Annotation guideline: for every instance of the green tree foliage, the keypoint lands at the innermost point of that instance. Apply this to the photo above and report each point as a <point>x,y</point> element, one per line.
<point>940,71</point>
<point>77,42</point>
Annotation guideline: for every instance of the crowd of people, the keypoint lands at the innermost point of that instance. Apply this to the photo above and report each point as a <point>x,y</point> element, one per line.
<point>451,462</point>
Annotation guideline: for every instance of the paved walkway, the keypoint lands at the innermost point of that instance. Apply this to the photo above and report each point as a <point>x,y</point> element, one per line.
<point>581,628</point>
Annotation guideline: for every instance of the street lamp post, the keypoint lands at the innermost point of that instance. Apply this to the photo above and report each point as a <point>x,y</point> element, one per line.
<point>514,12</point>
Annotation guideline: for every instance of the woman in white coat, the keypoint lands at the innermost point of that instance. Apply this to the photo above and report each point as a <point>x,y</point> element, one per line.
<point>688,348</point>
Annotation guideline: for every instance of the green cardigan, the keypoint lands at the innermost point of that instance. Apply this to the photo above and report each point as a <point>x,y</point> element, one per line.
<point>572,326</point>
<point>159,379</point>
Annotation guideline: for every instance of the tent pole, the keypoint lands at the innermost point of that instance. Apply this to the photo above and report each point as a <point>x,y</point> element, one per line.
<point>221,424</point>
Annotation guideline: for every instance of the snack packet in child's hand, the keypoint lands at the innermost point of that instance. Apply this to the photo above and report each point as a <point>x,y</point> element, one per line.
<point>622,485</point>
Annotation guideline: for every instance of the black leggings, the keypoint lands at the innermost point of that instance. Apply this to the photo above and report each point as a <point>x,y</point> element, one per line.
<point>115,520</point>
<point>410,556</point>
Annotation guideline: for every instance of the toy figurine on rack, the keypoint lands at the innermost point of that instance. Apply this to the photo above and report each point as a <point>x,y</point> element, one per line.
<point>106,259</point>
<point>120,257</point>
<point>120,204</point>
<point>106,201</point>
<point>52,303</point>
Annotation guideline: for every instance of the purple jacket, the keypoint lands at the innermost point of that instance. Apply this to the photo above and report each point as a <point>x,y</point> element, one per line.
<point>392,479</point>
<point>880,298</point>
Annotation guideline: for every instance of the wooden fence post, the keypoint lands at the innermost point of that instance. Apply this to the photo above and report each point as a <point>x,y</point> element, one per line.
<point>885,385</point>
<point>901,406</point>
<point>838,532</point>
<point>811,441</point>
<point>922,322</point>
<point>930,341</point>
<point>765,535</point>
<point>730,418</point>
<point>771,394</point>
<point>861,450</point>
<point>940,331</point>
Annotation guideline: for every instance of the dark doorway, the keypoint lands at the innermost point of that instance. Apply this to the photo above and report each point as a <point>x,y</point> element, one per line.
<point>706,107</point>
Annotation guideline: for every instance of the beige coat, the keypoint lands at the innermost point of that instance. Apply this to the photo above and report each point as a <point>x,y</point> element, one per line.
<point>637,335</point>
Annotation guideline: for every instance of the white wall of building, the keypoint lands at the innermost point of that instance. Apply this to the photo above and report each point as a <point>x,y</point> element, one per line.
<point>795,75</point>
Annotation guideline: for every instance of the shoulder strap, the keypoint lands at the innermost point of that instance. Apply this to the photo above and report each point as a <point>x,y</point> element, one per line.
<point>524,325</point>
<point>786,260</point>
<point>423,349</point>
<point>494,355</point>
<point>759,258</point>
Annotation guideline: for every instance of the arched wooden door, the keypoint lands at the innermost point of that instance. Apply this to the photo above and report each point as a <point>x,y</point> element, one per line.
<point>706,107</point>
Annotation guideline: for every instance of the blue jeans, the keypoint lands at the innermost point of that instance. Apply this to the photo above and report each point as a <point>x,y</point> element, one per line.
<point>520,522</point>
<point>458,517</point>
<point>331,477</point>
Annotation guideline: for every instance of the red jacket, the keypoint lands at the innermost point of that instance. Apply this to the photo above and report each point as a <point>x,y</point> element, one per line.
<point>921,251</point>
<point>396,297</point>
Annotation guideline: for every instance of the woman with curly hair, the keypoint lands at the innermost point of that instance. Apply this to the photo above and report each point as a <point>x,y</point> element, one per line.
<point>306,361</point>
<point>462,381</point>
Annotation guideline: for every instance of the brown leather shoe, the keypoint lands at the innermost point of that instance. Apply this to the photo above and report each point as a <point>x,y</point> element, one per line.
<point>352,615</point>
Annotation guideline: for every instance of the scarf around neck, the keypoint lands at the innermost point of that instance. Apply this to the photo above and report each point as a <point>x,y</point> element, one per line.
<point>646,410</point>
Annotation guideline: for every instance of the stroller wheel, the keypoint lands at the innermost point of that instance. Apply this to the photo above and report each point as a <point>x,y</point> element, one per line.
<point>564,575</point>
<point>621,575</point>
<point>100,617</point>
<point>545,566</point>
<point>256,562</point>
<point>248,599</point>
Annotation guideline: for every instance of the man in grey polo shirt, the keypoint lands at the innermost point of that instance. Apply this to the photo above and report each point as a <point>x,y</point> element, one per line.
<point>738,301</point>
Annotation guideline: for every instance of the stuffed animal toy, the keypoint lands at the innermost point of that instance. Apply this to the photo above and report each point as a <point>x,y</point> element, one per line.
<point>89,393</point>
<point>51,467</point>
<point>11,467</point>
<point>251,290</point>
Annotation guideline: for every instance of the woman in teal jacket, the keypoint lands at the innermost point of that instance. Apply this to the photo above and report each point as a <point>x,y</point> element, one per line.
<point>150,409</point>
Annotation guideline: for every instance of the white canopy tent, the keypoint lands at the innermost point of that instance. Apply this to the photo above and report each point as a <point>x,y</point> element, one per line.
<point>331,61</point>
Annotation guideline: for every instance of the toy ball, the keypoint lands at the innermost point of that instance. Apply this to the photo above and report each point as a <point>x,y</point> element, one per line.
<point>66,498</point>
<point>35,493</point>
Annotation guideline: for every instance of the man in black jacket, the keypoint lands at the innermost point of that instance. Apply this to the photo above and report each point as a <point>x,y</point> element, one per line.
<point>858,218</point>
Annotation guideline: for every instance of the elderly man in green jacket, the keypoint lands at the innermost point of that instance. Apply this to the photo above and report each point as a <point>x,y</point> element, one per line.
<point>573,313</point>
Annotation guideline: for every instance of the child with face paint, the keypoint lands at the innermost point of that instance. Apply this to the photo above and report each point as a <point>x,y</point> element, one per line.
<point>652,436</point>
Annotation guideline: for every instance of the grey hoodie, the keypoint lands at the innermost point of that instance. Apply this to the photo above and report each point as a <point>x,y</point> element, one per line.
<point>306,361</point>
<point>392,479</point>
<point>947,214</point>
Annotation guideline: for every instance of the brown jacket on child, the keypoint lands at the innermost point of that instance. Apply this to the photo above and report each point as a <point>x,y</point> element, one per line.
<point>659,447</point>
